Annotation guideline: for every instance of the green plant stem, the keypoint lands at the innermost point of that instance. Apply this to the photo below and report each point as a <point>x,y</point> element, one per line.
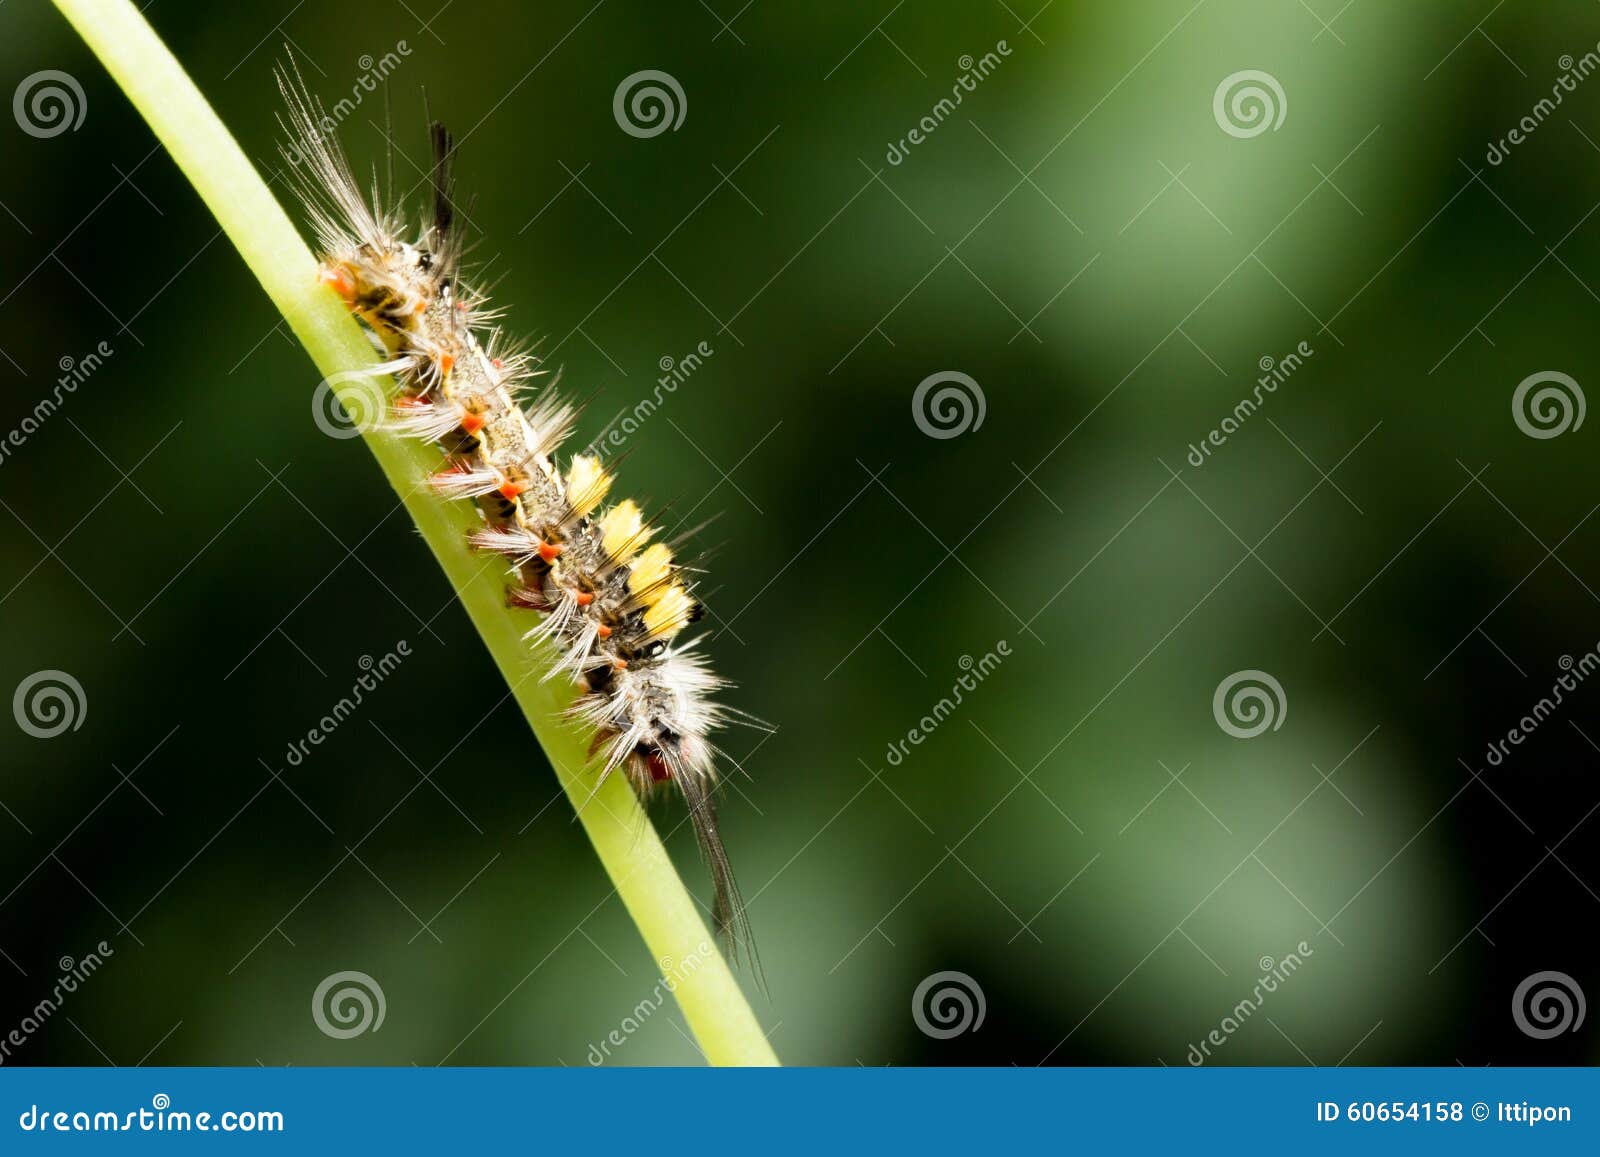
<point>623,836</point>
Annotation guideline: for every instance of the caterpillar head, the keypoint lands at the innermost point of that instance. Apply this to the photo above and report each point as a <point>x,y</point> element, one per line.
<point>387,285</point>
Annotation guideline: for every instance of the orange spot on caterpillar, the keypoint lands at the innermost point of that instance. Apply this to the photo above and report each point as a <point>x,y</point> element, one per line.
<point>549,552</point>
<point>583,599</point>
<point>509,491</point>
<point>420,308</point>
<point>340,279</point>
<point>497,363</point>
<point>619,664</point>
<point>603,631</point>
<point>471,422</point>
<point>447,362</point>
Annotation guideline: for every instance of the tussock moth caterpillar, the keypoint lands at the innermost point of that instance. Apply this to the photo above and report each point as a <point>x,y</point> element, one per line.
<point>614,598</point>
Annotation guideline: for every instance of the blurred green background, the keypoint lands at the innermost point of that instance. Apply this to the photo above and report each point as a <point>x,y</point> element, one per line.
<point>1081,237</point>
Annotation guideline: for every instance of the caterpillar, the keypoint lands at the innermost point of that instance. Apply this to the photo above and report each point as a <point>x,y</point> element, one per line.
<point>614,596</point>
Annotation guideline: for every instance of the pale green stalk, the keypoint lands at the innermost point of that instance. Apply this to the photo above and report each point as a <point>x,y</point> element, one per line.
<point>623,837</point>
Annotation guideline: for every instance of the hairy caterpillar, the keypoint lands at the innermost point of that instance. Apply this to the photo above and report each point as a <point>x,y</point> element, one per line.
<point>614,600</point>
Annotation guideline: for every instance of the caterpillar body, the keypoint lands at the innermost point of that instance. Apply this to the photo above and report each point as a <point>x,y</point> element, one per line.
<point>615,600</point>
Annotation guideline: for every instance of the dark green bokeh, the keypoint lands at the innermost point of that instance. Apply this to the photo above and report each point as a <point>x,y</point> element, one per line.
<point>1083,240</point>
